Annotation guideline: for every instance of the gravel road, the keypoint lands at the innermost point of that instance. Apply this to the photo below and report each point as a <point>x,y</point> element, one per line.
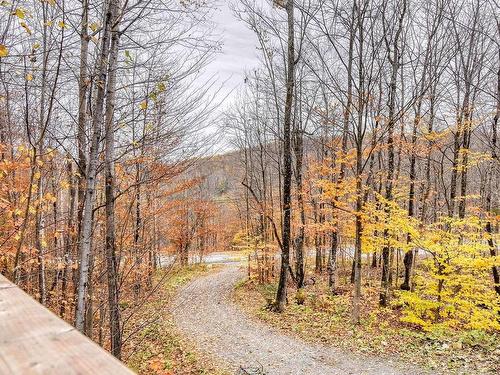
<point>203,310</point>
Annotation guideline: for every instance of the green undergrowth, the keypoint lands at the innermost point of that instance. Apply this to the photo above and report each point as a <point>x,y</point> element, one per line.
<point>316,316</point>
<point>157,347</point>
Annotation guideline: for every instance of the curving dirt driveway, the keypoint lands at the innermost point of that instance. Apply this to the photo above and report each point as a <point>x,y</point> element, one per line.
<point>203,310</point>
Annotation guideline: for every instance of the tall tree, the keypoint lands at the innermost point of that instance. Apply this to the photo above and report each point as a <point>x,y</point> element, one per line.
<point>85,249</point>
<point>394,56</point>
<point>287,161</point>
<point>109,160</point>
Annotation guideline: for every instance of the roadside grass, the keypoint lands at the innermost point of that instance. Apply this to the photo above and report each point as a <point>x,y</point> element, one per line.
<point>326,319</point>
<point>157,347</point>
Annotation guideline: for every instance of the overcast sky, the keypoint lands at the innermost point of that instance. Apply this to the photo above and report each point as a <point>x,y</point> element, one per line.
<point>238,53</point>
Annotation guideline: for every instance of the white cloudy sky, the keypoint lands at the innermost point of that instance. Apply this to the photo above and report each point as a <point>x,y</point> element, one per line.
<point>238,53</point>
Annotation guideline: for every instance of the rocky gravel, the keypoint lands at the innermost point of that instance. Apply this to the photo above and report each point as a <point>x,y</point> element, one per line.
<point>204,311</point>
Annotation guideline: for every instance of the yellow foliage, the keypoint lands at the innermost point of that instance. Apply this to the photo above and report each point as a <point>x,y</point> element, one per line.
<point>383,216</point>
<point>94,26</point>
<point>4,52</point>
<point>453,289</point>
<point>50,197</point>
<point>244,241</point>
<point>25,27</point>
<point>19,13</point>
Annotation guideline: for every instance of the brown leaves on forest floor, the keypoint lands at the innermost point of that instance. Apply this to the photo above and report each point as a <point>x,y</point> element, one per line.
<point>326,319</point>
<point>158,348</point>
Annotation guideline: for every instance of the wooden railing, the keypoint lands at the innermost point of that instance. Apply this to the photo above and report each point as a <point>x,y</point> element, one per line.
<point>33,340</point>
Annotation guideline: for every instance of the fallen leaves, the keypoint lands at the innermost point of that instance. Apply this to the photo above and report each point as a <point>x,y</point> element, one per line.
<point>323,318</point>
<point>159,349</point>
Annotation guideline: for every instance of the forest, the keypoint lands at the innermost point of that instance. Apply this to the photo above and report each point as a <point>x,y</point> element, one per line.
<point>345,194</point>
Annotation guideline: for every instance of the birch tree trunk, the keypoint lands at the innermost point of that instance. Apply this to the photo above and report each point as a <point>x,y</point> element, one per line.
<point>91,176</point>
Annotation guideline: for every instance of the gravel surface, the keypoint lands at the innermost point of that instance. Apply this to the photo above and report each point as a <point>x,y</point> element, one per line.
<point>203,310</point>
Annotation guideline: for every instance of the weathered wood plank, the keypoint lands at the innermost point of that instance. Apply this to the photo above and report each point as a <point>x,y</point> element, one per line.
<point>33,340</point>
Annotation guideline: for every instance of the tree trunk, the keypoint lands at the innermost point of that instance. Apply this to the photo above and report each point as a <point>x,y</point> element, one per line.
<point>69,238</point>
<point>358,243</point>
<point>111,261</point>
<point>83,84</point>
<point>395,65</point>
<point>287,163</point>
<point>299,239</point>
<point>493,168</point>
<point>356,301</point>
<point>40,245</point>
<point>334,245</point>
<point>91,176</point>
